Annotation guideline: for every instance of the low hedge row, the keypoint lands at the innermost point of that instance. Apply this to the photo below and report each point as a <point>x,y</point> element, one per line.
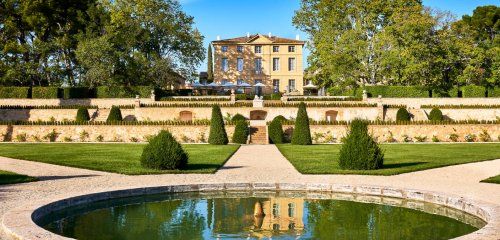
<point>201,122</point>
<point>15,92</point>
<point>196,99</point>
<point>16,107</point>
<point>495,106</point>
<point>323,99</point>
<point>85,92</point>
<point>469,91</point>
<point>197,105</point>
<point>428,122</point>
<point>319,104</point>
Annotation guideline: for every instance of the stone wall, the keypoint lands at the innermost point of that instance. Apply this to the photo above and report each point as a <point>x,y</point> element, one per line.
<point>398,133</point>
<point>417,102</point>
<point>190,134</point>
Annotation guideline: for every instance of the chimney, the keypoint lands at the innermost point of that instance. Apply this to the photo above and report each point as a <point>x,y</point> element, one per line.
<point>297,37</point>
<point>270,35</point>
<point>218,38</point>
<point>248,35</point>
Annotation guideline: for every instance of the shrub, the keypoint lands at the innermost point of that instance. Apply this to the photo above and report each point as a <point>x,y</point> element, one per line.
<point>494,92</point>
<point>115,115</point>
<point>241,132</point>
<point>359,150</point>
<point>14,92</point>
<point>76,92</point>
<point>302,133</point>
<point>45,92</point>
<point>238,117</point>
<point>82,115</point>
<point>394,91</point>
<point>436,115</point>
<point>67,139</point>
<point>163,152</point>
<point>84,135</point>
<point>218,135</point>
<point>453,137</point>
<point>403,115</point>
<point>472,91</point>
<point>276,134</point>
<point>99,138</point>
<point>51,136</point>
<point>421,138</point>
<point>484,136</point>
<point>470,137</point>
<point>435,139</point>
<point>123,92</point>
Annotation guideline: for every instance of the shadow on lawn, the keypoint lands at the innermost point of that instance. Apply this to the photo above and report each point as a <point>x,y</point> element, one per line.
<point>401,165</point>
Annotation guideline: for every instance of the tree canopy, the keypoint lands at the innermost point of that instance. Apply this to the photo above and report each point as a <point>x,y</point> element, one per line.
<point>96,42</point>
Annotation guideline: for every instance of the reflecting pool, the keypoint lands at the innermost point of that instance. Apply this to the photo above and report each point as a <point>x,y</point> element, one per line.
<point>280,215</point>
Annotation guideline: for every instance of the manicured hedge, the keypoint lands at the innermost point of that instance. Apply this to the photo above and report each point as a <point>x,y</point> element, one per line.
<point>241,132</point>
<point>115,115</point>
<point>15,92</point>
<point>301,132</point>
<point>436,115</point>
<point>395,91</point>
<point>163,152</point>
<point>123,92</point>
<point>454,92</point>
<point>473,91</point>
<point>359,150</point>
<point>217,135</point>
<point>46,92</point>
<point>494,92</point>
<point>77,92</point>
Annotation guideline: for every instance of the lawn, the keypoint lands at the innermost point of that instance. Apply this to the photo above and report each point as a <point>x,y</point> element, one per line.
<point>117,158</point>
<point>399,158</point>
<point>495,179</point>
<point>10,178</point>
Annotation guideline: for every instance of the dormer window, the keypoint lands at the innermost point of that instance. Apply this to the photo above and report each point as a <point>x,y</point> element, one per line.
<point>224,48</point>
<point>258,49</point>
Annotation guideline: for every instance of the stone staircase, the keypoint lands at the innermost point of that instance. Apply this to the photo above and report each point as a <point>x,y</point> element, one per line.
<point>100,115</point>
<point>258,135</point>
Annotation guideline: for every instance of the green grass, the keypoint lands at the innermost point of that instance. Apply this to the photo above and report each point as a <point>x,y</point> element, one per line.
<point>117,158</point>
<point>10,178</point>
<point>399,158</point>
<point>495,179</point>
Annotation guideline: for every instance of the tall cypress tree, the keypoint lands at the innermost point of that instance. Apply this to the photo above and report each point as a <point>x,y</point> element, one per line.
<point>301,132</point>
<point>218,135</point>
<point>210,65</point>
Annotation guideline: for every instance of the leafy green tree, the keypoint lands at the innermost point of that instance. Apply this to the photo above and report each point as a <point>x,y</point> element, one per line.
<point>301,132</point>
<point>218,135</point>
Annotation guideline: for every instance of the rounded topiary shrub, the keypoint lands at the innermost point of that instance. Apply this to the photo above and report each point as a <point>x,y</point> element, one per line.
<point>436,115</point>
<point>82,115</point>
<point>238,117</point>
<point>301,132</point>
<point>276,134</point>
<point>280,118</point>
<point>163,152</point>
<point>359,150</point>
<point>115,115</point>
<point>218,135</point>
<point>403,115</point>
<point>241,132</point>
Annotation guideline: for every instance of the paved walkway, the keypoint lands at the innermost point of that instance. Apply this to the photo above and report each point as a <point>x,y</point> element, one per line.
<point>252,163</point>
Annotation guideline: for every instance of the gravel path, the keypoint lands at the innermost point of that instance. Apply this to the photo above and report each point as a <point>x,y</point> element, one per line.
<point>252,163</point>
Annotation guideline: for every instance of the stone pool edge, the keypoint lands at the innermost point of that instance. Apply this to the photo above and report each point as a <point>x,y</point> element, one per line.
<point>20,223</point>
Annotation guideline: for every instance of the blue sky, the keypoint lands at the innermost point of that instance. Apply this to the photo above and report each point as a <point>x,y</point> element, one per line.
<point>232,18</point>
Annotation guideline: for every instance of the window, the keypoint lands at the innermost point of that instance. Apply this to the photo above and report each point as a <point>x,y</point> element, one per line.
<point>276,210</point>
<point>258,49</point>
<point>276,64</point>
<point>239,48</point>
<point>225,65</point>
<point>291,210</point>
<point>291,85</point>
<point>276,85</point>
<point>291,48</point>
<point>276,227</point>
<point>258,65</point>
<point>291,64</point>
<point>224,48</point>
<point>276,48</point>
<point>239,64</point>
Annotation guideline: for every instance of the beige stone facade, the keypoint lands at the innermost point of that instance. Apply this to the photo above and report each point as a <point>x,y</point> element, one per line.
<point>274,61</point>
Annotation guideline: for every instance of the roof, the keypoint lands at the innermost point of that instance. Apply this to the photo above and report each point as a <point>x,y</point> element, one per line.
<point>245,39</point>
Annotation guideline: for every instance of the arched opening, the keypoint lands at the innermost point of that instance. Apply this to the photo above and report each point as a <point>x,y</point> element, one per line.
<point>186,116</point>
<point>331,115</point>
<point>258,115</point>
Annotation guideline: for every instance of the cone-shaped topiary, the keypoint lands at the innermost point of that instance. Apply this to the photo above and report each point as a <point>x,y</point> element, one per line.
<point>276,134</point>
<point>238,117</point>
<point>301,132</point>
<point>218,135</point>
<point>403,115</point>
<point>115,115</point>
<point>359,150</point>
<point>241,132</point>
<point>82,115</point>
<point>163,152</point>
<point>436,115</point>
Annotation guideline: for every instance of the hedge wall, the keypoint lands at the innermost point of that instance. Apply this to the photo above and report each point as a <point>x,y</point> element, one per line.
<point>15,92</point>
<point>453,93</point>
<point>123,92</point>
<point>494,92</point>
<point>472,91</point>
<point>395,91</point>
<point>77,92</point>
<point>46,92</point>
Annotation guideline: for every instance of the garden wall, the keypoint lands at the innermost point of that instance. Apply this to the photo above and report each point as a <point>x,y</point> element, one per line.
<point>417,102</point>
<point>398,133</point>
<point>109,133</point>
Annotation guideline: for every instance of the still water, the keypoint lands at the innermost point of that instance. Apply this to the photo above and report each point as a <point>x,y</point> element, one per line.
<point>255,216</point>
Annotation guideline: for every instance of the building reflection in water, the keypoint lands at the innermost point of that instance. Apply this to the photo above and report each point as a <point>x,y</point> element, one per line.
<point>260,217</point>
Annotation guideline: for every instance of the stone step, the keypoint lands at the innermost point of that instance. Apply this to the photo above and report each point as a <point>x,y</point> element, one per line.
<point>258,135</point>
<point>101,115</point>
